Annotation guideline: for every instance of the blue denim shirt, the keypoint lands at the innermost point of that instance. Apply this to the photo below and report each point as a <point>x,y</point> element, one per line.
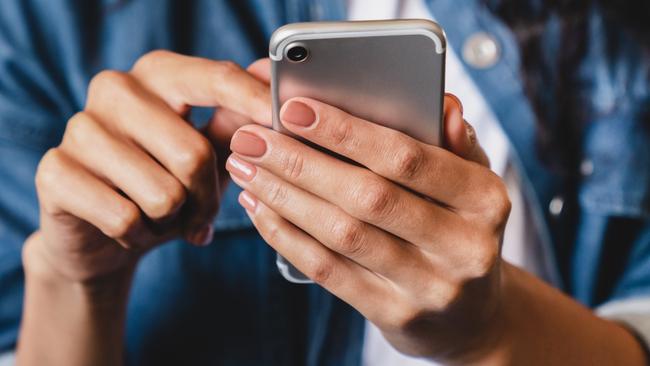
<point>226,304</point>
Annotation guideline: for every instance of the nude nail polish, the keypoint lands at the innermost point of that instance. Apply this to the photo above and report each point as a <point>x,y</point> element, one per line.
<point>248,201</point>
<point>298,113</point>
<point>241,169</point>
<point>248,144</point>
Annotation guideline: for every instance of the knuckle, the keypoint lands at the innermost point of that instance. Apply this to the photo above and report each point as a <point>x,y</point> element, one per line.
<point>272,232</point>
<point>320,270</point>
<point>292,164</point>
<point>407,160</point>
<point>78,129</point>
<point>497,203</point>
<point>108,83</point>
<point>46,179</point>
<point>124,220</point>
<point>277,193</point>
<point>342,133</point>
<point>375,198</point>
<point>194,157</point>
<point>348,236</point>
<point>485,257</point>
<point>228,67</point>
<point>151,60</point>
<point>49,168</point>
<point>221,72</point>
<point>167,201</point>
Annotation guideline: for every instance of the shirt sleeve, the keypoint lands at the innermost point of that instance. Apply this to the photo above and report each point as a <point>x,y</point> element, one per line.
<point>7,359</point>
<point>633,313</point>
<point>630,301</point>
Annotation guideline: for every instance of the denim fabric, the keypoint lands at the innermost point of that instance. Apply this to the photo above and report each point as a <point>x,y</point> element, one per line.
<point>226,304</point>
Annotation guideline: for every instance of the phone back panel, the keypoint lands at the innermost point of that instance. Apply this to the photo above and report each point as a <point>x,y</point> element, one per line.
<point>387,72</point>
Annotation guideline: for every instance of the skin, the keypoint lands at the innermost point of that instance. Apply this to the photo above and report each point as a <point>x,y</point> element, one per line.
<point>412,241</point>
<point>131,153</point>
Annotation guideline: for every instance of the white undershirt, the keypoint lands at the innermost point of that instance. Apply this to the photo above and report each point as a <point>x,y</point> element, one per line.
<point>520,246</point>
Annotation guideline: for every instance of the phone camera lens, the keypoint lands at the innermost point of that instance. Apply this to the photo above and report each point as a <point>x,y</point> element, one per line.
<point>297,53</point>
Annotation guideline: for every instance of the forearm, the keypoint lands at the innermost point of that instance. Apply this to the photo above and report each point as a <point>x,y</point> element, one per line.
<point>542,326</point>
<point>70,323</point>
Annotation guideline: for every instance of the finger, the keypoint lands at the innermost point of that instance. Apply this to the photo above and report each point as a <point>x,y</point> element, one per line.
<point>184,81</point>
<point>429,170</point>
<point>363,243</point>
<point>226,121</point>
<point>127,110</point>
<point>66,188</point>
<point>359,192</point>
<point>223,125</point>
<point>339,275</point>
<point>460,136</point>
<point>261,69</point>
<point>159,194</point>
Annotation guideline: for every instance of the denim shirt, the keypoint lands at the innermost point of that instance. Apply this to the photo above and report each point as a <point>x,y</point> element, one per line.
<point>226,304</point>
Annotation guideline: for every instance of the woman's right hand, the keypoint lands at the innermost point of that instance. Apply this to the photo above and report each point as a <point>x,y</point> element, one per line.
<point>131,172</point>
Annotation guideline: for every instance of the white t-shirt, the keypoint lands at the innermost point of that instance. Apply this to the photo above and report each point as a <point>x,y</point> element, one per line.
<point>520,245</point>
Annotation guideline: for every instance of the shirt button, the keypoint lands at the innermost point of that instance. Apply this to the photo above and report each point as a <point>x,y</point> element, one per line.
<point>556,205</point>
<point>481,50</point>
<point>586,167</point>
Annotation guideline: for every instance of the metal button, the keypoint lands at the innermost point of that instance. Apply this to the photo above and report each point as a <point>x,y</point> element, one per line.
<point>586,167</point>
<point>556,205</point>
<point>481,50</point>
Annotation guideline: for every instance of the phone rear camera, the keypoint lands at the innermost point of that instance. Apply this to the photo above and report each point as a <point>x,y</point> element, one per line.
<point>297,53</point>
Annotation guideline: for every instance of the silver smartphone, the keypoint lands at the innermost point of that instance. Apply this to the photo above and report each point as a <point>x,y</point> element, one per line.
<point>390,72</point>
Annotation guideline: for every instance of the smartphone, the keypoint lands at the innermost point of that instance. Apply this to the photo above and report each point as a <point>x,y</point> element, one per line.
<point>390,72</point>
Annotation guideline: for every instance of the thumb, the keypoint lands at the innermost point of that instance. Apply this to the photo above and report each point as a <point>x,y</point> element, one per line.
<point>460,136</point>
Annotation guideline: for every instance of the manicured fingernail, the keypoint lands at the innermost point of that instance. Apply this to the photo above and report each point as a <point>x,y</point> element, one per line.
<point>204,235</point>
<point>248,143</point>
<point>241,169</point>
<point>298,113</point>
<point>457,101</point>
<point>248,201</point>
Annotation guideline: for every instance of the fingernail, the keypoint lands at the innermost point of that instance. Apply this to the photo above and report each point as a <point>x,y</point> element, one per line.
<point>241,169</point>
<point>298,113</point>
<point>471,133</point>
<point>248,201</point>
<point>457,101</point>
<point>204,235</point>
<point>247,143</point>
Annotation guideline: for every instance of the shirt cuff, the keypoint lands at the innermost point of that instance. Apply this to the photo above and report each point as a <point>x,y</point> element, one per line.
<point>7,358</point>
<point>633,313</point>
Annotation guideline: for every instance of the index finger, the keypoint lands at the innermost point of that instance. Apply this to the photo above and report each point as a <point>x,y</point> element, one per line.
<point>426,169</point>
<point>185,81</point>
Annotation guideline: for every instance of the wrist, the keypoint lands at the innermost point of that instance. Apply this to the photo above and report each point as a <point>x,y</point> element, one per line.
<point>42,273</point>
<point>491,344</point>
<point>497,347</point>
<point>91,314</point>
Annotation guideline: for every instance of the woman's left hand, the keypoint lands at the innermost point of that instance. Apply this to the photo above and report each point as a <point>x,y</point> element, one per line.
<point>411,238</point>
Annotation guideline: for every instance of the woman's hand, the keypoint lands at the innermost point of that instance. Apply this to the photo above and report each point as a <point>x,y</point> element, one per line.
<point>411,238</point>
<point>130,174</point>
